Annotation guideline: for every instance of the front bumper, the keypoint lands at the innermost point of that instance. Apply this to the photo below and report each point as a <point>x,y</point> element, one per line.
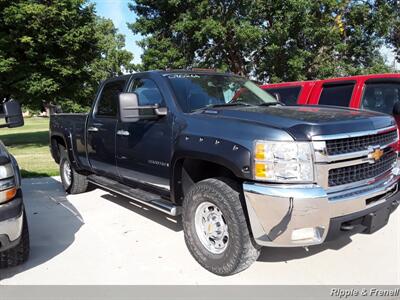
<point>11,221</point>
<point>303,215</point>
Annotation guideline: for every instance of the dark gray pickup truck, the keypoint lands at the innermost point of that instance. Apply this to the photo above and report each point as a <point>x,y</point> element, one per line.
<point>242,169</point>
<point>14,234</point>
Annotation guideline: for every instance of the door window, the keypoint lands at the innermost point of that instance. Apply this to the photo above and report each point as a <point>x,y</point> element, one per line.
<point>380,97</point>
<point>108,101</point>
<point>339,95</point>
<point>147,91</point>
<point>287,95</point>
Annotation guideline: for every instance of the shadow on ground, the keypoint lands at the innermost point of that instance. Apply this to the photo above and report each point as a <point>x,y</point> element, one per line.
<point>173,223</point>
<point>273,254</point>
<point>268,254</point>
<point>53,222</point>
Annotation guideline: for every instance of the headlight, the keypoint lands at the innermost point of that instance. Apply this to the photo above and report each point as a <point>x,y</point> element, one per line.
<point>6,171</point>
<point>8,189</point>
<point>283,161</point>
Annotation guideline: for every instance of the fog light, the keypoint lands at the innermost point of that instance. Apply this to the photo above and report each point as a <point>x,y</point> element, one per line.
<point>312,234</point>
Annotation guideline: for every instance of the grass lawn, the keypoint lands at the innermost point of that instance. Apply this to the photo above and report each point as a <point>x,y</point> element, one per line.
<point>30,146</point>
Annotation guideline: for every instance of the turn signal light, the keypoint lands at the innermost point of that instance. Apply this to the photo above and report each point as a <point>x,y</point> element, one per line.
<point>7,195</point>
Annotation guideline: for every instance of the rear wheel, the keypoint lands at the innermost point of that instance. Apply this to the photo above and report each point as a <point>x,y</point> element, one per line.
<point>73,182</point>
<point>20,253</point>
<point>215,227</point>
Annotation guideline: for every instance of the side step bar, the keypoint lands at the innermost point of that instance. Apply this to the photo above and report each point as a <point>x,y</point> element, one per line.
<point>138,195</point>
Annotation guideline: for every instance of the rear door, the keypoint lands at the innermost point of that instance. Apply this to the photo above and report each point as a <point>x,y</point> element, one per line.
<point>101,128</point>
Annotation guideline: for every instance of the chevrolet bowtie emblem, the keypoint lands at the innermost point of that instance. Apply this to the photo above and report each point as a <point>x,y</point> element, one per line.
<point>376,154</point>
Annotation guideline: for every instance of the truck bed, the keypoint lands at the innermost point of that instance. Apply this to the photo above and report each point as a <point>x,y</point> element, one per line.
<point>62,125</point>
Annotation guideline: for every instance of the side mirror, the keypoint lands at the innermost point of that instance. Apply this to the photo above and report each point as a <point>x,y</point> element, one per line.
<point>13,114</point>
<point>128,107</point>
<point>396,108</point>
<point>131,111</point>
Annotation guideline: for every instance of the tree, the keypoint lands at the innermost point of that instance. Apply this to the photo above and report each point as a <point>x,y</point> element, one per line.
<point>268,39</point>
<point>319,39</point>
<point>114,60</point>
<point>45,49</point>
<point>394,33</point>
<point>57,52</point>
<point>111,60</point>
<point>216,34</point>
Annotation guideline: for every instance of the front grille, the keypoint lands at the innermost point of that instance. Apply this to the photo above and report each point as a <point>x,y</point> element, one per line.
<point>363,171</point>
<point>360,143</point>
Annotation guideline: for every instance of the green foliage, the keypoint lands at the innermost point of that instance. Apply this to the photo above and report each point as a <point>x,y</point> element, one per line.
<point>394,33</point>
<point>113,58</point>
<point>45,48</point>
<point>72,106</point>
<point>56,50</point>
<point>268,39</point>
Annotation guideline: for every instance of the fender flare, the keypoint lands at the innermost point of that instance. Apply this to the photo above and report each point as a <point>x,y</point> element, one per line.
<point>69,147</point>
<point>175,171</point>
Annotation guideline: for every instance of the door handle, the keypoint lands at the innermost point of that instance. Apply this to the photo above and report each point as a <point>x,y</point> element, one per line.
<point>123,133</point>
<point>93,129</point>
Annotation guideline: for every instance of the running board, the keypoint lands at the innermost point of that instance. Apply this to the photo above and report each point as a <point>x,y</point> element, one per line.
<point>138,195</point>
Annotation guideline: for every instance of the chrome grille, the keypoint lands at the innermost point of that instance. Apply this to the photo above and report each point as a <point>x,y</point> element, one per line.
<point>360,143</point>
<point>354,173</point>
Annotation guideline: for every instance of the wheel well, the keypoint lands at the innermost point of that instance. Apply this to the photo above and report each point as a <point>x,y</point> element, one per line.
<point>189,171</point>
<point>56,142</point>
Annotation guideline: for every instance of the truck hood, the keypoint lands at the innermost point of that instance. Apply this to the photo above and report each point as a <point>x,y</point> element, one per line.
<point>304,122</point>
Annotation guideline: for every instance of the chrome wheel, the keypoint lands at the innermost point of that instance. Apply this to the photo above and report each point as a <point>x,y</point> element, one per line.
<point>67,173</point>
<point>211,227</point>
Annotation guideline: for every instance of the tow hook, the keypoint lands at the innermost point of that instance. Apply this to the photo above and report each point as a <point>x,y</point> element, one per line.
<point>395,203</point>
<point>346,227</point>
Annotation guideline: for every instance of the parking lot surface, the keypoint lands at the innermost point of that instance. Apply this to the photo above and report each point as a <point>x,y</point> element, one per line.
<point>100,238</point>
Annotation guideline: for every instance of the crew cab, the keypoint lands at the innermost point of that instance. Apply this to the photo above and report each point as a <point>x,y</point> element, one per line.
<point>14,233</point>
<point>243,170</point>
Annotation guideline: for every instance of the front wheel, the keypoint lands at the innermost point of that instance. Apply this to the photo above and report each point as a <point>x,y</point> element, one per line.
<point>73,182</point>
<point>215,227</point>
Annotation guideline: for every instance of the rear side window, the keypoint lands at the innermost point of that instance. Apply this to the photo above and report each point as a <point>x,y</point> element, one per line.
<point>287,95</point>
<point>380,97</point>
<point>108,102</point>
<point>339,95</point>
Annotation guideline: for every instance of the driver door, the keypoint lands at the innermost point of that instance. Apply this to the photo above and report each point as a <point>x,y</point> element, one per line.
<point>144,147</point>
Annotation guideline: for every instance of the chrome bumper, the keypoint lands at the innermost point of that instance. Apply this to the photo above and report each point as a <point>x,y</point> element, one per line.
<point>299,215</point>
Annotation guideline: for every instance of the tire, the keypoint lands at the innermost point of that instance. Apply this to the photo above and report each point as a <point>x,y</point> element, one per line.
<point>237,250</point>
<point>20,253</point>
<point>75,183</point>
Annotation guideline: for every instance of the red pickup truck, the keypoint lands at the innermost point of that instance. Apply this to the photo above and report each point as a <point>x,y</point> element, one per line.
<point>377,92</point>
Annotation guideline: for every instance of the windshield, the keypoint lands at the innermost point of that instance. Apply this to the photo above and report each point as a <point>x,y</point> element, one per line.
<point>197,91</point>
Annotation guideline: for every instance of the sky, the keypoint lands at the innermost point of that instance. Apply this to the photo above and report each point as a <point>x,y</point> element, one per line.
<point>119,13</point>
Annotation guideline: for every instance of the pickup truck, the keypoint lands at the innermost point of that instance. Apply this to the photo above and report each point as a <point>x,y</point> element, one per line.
<point>14,233</point>
<point>243,170</point>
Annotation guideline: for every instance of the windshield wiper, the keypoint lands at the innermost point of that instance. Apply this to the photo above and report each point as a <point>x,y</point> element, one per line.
<point>270,104</point>
<point>229,104</point>
<point>223,105</point>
